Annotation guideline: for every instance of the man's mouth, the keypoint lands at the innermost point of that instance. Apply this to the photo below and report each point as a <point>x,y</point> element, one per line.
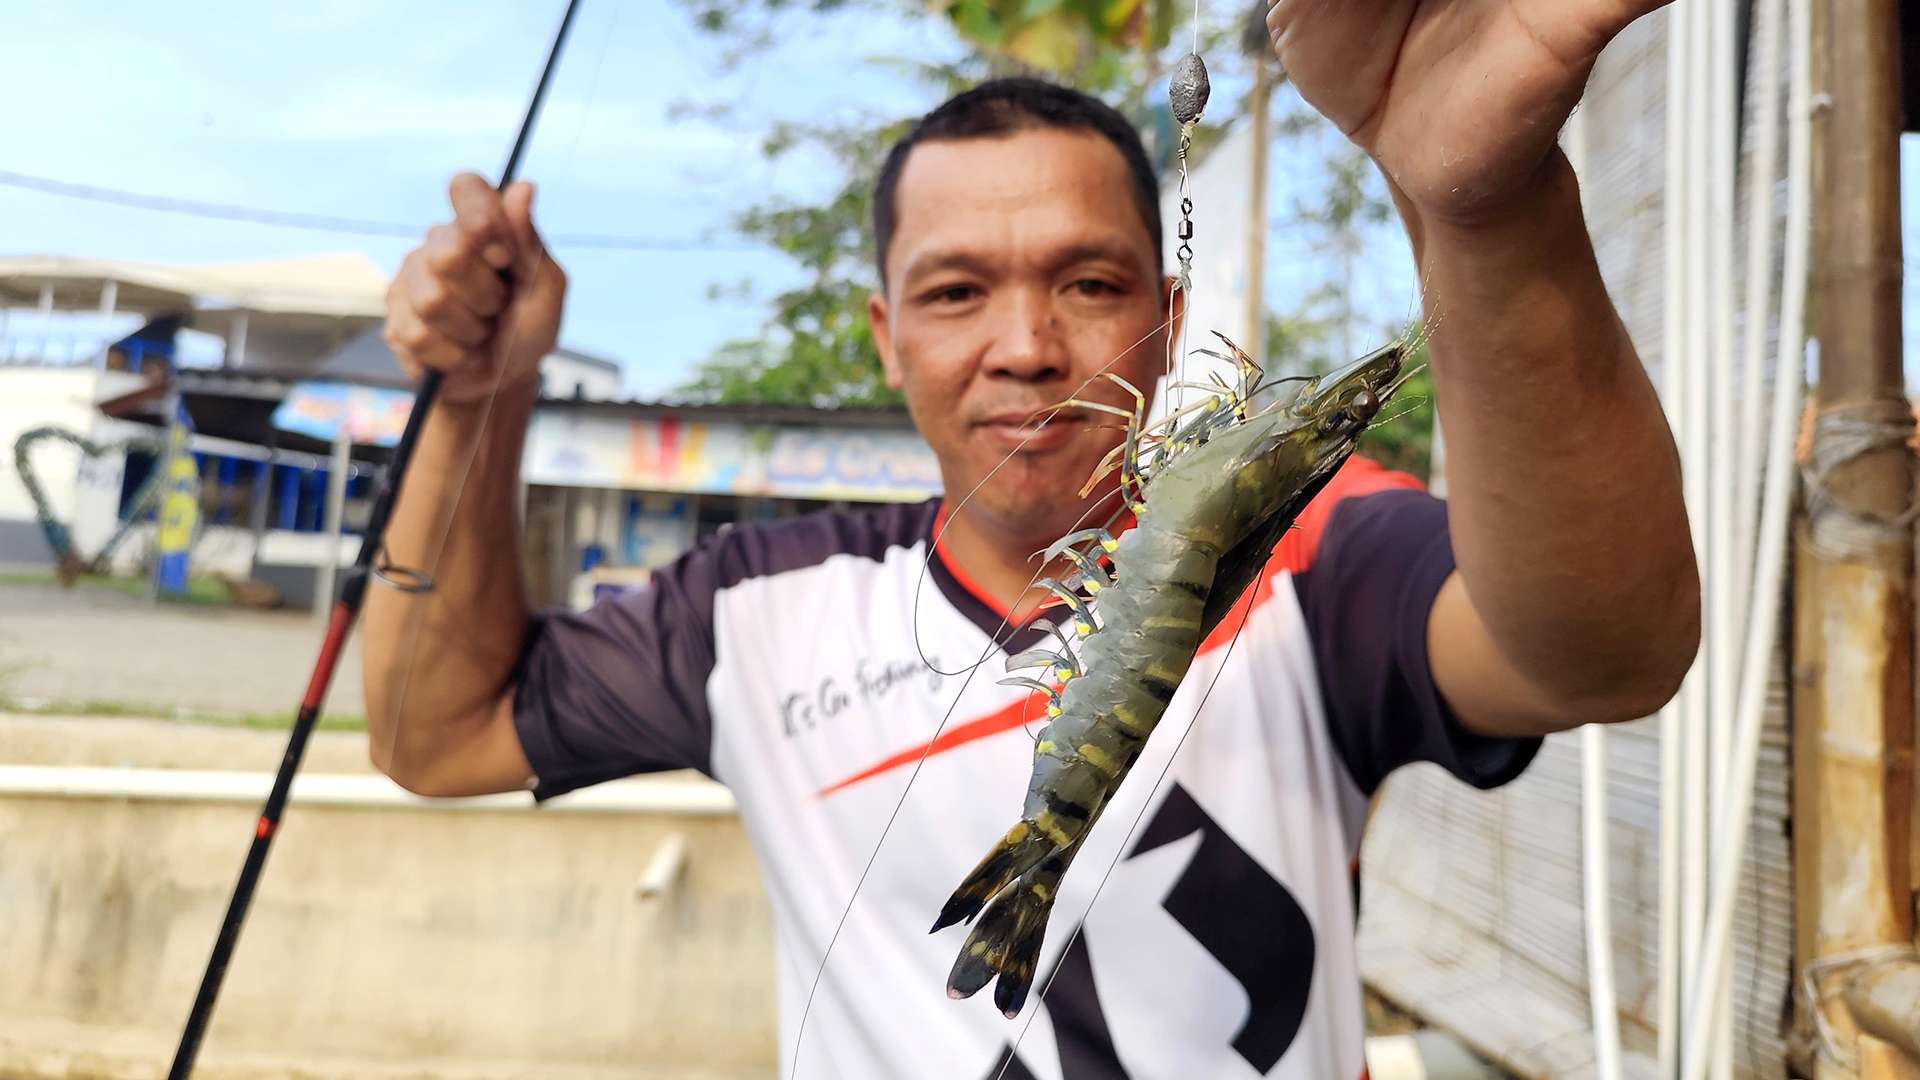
<point>1033,431</point>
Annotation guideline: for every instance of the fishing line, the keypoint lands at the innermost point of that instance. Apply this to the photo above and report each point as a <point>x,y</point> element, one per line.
<point>993,645</point>
<point>370,562</point>
<point>933,543</point>
<point>450,511</point>
<point>1137,818</point>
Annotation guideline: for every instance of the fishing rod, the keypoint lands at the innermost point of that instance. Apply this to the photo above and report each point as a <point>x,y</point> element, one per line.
<point>346,610</point>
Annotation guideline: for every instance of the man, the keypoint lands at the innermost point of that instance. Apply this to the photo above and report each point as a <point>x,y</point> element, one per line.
<point>1019,244</point>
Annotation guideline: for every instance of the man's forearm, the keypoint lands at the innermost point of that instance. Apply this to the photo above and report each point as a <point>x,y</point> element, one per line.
<point>1563,481</point>
<point>433,662</point>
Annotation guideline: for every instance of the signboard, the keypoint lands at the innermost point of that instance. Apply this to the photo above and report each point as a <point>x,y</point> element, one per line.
<point>571,448</point>
<point>368,415</point>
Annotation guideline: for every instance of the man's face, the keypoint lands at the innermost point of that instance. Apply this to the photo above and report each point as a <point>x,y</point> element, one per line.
<point>1018,270</point>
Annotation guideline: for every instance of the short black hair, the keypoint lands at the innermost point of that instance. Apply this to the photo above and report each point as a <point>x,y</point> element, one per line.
<point>1003,107</point>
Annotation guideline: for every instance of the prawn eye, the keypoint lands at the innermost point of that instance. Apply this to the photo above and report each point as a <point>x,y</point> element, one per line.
<point>1364,405</point>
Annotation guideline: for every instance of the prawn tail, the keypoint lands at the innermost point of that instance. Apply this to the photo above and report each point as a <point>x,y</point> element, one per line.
<point>1017,852</point>
<point>1005,943</point>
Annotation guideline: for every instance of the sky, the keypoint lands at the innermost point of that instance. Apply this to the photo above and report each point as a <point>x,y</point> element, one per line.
<point>364,109</point>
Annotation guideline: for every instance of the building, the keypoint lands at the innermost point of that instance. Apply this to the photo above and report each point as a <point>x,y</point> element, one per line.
<point>613,487</point>
<point>616,488</point>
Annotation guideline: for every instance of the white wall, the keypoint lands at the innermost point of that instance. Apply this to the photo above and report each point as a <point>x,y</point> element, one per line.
<point>559,374</point>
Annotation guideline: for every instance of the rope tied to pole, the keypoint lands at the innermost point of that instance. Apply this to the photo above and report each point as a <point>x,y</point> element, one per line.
<point>1842,434</point>
<point>1827,1041</point>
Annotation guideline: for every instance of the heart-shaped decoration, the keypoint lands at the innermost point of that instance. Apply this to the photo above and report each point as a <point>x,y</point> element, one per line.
<point>69,564</point>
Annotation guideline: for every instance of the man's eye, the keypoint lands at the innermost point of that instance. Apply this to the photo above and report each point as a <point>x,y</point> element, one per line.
<point>1093,287</point>
<point>952,294</point>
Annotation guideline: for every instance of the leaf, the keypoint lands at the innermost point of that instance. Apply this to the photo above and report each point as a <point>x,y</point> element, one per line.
<point>1116,15</point>
<point>976,22</point>
<point>1050,44</point>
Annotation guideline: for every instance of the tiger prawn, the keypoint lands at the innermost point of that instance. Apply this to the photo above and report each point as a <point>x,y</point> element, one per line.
<point>1217,490</point>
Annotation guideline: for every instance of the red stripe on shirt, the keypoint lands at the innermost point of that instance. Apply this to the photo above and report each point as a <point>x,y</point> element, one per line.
<point>1294,553</point>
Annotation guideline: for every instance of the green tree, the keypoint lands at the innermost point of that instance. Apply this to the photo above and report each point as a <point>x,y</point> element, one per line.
<point>1402,438</point>
<point>815,347</point>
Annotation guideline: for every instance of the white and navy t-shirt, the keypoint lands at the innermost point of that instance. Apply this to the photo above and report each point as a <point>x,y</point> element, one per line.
<point>800,663</point>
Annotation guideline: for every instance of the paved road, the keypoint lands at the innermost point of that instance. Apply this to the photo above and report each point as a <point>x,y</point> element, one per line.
<point>90,644</point>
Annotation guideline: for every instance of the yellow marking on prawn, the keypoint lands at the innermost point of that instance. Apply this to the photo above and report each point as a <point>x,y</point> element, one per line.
<point>1110,544</point>
<point>1160,672</point>
<point>1040,891</point>
<point>1168,622</point>
<point>1015,834</point>
<point>1053,710</point>
<point>1099,759</point>
<point>978,948</point>
<point>1093,586</point>
<point>1047,823</point>
<point>1064,673</point>
<point>1082,628</point>
<point>1129,721</point>
<point>1044,746</point>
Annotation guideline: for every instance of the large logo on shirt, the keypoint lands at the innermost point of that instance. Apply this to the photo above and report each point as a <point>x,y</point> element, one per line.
<point>1238,912</point>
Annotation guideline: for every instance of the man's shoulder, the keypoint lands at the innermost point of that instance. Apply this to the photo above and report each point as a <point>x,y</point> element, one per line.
<point>768,548</point>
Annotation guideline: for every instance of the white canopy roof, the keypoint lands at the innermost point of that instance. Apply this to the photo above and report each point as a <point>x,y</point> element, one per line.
<point>306,291</point>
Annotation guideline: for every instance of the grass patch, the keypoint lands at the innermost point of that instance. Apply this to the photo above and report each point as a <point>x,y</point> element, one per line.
<point>259,721</point>
<point>200,590</point>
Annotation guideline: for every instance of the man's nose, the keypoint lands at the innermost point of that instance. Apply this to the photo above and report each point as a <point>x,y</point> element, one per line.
<point>1029,345</point>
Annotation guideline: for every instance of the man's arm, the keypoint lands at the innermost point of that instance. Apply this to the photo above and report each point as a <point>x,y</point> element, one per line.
<point>438,666</point>
<point>1576,597</point>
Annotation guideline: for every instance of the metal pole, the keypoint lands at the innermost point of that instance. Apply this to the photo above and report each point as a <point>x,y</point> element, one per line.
<point>109,296</point>
<point>337,467</point>
<point>345,611</point>
<point>46,321</point>
<point>237,341</point>
<point>262,497</point>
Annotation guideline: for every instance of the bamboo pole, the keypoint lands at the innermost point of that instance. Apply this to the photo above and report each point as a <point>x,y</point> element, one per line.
<point>1854,612</point>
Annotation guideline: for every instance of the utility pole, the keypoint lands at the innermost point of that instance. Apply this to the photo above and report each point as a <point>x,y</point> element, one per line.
<point>1255,341</point>
<point>1852,663</point>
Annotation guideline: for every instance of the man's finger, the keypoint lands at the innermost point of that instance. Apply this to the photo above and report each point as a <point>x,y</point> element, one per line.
<point>452,259</point>
<point>529,252</point>
<point>418,346</point>
<point>442,310</point>
<point>480,218</point>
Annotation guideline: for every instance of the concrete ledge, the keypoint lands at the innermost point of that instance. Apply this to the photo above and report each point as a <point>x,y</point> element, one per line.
<point>626,935</point>
<point>653,797</point>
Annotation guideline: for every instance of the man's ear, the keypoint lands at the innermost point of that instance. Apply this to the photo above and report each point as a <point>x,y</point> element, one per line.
<point>877,320</point>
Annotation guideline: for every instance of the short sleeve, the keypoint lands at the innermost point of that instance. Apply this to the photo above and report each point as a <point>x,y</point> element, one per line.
<point>1366,597</point>
<point>621,688</point>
